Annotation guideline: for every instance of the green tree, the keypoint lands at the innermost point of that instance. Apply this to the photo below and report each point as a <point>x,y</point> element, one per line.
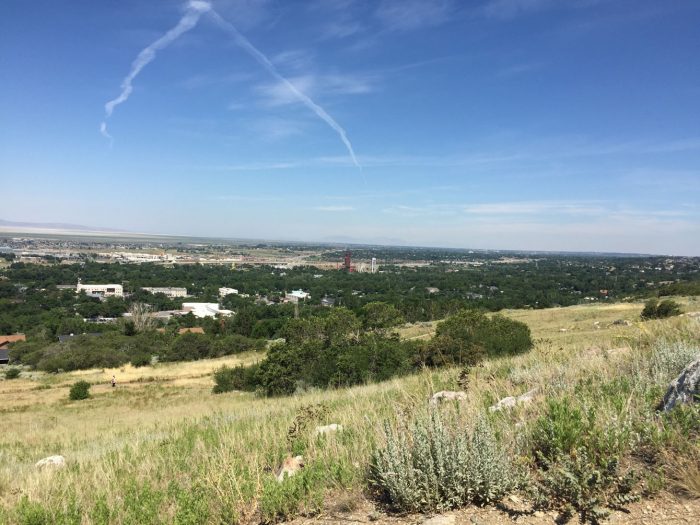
<point>380,316</point>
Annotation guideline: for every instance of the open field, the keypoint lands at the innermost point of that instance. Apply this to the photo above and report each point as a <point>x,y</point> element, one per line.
<point>590,324</point>
<point>160,448</point>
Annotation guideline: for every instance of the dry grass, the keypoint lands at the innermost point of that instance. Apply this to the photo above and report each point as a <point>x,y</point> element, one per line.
<point>161,429</point>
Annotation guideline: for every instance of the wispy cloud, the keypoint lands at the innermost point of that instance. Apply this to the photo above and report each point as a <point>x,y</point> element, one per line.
<point>279,94</point>
<point>334,208</point>
<point>520,69</point>
<point>294,59</point>
<point>275,128</point>
<point>548,157</point>
<point>535,208</point>
<point>511,8</point>
<point>202,80</point>
<point>406,15</point>
<point>341,29</point>
<point>195,8</point>
<point>247,198</point>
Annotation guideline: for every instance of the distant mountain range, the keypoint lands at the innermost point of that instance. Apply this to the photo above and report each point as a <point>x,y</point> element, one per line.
<point>58,226</point>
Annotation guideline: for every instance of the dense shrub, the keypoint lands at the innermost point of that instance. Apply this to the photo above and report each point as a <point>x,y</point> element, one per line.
<point>113,349</point>
<point>79,390</point>
<point>12,373</point>
<point>653,309</point>
<point>330,351</point>
<point>236,344</point>
<point>470,331</point>
<point>188,347</point>
<point>577,465</point>
<point>431,466</point>
<point>227,379</point>
<point>561,430</point>
<point>584,486</point>
<point>140,359</point>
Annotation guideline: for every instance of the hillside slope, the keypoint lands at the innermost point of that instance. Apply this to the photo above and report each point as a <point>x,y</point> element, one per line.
<point>160,448</point>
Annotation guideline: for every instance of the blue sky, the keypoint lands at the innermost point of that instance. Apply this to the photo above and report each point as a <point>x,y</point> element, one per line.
<point>511,124</point>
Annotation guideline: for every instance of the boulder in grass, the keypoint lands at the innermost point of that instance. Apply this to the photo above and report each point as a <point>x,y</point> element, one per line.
<point>447,395</point>
<point>290,466</point>
<point>511,401</point>
<point>685,388</point>
<point>51,462</point>
<point>328,429</point>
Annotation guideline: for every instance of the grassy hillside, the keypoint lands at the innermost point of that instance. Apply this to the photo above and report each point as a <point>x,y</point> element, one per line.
<point>160,448</point>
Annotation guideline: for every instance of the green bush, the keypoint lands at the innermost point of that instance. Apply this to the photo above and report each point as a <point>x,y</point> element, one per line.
<point>579,484</point>
<point>227,379</point>
<point>12,373</point>
<point>561,430</point>
<point>140,359</point>
<point>468,333</point>
<point>431,467</point>
<point>79,390</point>
<point>577,466</point>
<point>653,309</point>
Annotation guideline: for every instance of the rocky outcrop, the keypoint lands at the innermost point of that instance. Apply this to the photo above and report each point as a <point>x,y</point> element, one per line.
<point>447,395</point>
<point>290,466</point>
<point>51,462</point>
<point>685,388</point>
<point>511,401</point>
<point>328,429</point>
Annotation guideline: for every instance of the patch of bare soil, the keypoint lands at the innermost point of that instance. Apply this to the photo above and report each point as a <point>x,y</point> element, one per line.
<point>663,509</point>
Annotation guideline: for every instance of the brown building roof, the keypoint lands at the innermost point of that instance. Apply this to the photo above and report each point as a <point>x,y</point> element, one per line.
<point>193,330</point>
<point>7,339</point>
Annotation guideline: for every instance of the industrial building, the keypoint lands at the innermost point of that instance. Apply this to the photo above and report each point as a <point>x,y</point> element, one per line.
<point>223,292</point>
<point>204,309</point>
<point>103,290</point>
<point>296,295</point>
<point>167,291</point>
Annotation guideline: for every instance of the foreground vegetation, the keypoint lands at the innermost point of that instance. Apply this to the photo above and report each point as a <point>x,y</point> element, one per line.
<point>161,449</point>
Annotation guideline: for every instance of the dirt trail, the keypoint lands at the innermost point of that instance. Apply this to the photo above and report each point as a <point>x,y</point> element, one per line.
<point>664,509</point>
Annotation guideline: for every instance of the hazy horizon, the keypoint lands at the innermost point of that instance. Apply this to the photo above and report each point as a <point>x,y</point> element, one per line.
<point>528,125</point>
<point>50,230</point>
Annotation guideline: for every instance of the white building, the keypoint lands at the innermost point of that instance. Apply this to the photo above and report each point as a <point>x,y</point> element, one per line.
<point>223,292</point>
<point>204,309</point>
<point>296,295</point>
<point>167,291</point>
<point>105,290</point>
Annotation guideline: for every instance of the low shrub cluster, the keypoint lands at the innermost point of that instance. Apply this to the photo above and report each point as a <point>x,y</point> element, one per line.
<point>227,379</point>
<point>80,390</point>
<point>113,349</point>
<point>433,466</point>
<point>12,373</point>
<point>578,471</point>
<point>655,309</point>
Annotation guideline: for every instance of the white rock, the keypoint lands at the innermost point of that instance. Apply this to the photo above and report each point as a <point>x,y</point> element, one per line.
<point>510,402</point>
<point>52,461</point>
<point>447,395</point>
<point>290,466</point>
<point>328,429</point>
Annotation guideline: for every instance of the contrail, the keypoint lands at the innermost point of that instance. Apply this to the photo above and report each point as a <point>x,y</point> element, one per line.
<point>105,133</point>
<point>195,8</point>
<point>305,99</point>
